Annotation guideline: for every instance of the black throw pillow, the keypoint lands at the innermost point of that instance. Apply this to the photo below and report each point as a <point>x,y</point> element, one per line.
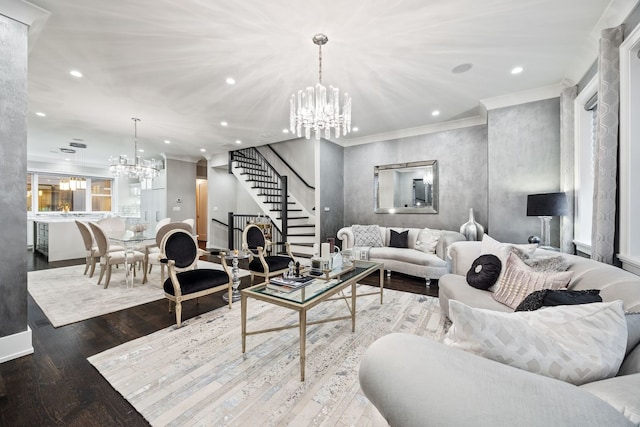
<point>484,271</point>
<point>399,240</point>
<point>551,298</point>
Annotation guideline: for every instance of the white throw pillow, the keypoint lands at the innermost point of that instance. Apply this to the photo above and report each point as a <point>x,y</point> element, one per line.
<point>367,236</point>
<point>427,240</point>
<point>490,245</point>
<point>517,280</point>
<point>574,343</point>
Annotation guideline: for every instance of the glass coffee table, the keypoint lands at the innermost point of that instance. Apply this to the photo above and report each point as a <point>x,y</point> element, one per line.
<point>319,290</point>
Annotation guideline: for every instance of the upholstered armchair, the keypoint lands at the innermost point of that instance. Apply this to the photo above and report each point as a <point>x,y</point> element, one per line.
<point>180,252</point>
<point>260,263</point>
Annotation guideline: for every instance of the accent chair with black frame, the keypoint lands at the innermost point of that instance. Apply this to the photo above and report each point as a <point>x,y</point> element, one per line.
<point>180,252</point>
<point>254,242</point>
<point>152,255</point>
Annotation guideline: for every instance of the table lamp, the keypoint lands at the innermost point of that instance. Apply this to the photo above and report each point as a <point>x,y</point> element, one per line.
<point>545,206</point>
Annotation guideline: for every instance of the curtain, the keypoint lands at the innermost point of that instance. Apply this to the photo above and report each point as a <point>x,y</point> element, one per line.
<point>567,165</point>
<point>606,150</point>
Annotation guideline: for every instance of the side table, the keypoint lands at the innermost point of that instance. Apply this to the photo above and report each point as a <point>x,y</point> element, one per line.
<point>235,294</point>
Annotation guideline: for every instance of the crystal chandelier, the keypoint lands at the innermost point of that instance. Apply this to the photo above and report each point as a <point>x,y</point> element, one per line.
<point>140,168</point>
<point>313,112</point>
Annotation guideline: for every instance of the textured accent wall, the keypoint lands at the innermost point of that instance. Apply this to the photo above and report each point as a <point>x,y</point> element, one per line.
<point>462,168</point>
<point>13,172</point>
<point>524,158</point>
<point>331,189</point>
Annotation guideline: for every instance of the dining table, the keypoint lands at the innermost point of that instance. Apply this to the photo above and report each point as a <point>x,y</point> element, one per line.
<point>129,240</point>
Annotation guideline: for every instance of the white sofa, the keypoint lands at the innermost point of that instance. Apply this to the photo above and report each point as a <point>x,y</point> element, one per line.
<point>407,260</point>
<point>414,381</point>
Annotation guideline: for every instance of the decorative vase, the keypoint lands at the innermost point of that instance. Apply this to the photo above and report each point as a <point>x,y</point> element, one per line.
<point>471,229</point>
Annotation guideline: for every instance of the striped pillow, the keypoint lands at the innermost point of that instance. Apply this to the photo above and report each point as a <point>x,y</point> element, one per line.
<point>519,280</point>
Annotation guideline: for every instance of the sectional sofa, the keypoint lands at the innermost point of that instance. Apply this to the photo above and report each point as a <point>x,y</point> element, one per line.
<point>414,381</point>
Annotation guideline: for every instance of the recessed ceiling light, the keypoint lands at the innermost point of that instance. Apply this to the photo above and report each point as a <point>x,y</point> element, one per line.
<point>41,114</point>
<point>285,130</point>
<point>224,123</point>
<point>166,141</point>
<point>203,150</point>
<point>462,68</point>
<point>355,129</point>
<point>517,70</point>
<point>140,150</point>
<point>75,73</point>
<point>435,113</point>
<point>238,141</point>
<point>68,160</point>
<point>230,81</point>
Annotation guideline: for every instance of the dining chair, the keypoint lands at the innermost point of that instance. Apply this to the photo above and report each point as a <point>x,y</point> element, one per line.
<point>163,221</point>
<point>192,224</point>
<point>113,226</point>
<point>109,258</point>
<point>152,254</point>
<point>89,246</point>
<point>185,282</point>
<point>262,265</point>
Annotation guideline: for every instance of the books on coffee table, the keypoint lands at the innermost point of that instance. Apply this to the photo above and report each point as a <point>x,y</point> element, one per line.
<point>288,284</point>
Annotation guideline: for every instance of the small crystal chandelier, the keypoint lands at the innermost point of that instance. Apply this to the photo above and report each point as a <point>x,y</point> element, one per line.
<point>140,168</point>
<point>312,109</point>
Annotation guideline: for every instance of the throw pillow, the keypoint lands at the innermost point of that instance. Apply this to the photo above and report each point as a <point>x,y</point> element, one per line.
<point>367,235</point>
<point>519,280</point>
<point>633,326</point>
<point>548,264</point>
<point>577,344</point>
<point>398,240</point>
<point>551,298</point>
<point>490,245</point>
<point>428,240</point>
<point>484,271</point>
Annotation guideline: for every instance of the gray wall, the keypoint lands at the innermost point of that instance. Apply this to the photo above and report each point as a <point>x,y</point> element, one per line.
<point>13,170</point>
<point>181,183</point>
<point>331,188</point>
<point>462,160</point>
<point>524,158</point>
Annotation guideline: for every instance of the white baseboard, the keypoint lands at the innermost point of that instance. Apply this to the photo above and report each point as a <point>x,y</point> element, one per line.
<point>16,345</point>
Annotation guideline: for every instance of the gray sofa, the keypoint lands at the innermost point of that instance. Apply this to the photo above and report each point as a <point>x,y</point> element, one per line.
<point>414,381</point>
<point>407,260</point>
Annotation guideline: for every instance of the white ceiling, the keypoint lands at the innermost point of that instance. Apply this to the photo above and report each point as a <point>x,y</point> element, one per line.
<point>166,61</point>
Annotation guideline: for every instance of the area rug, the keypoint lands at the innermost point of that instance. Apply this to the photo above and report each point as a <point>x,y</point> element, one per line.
<point>67,296</point>
<point>197,375</point>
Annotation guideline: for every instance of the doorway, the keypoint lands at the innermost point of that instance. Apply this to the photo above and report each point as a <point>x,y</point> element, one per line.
<point>201,209</point>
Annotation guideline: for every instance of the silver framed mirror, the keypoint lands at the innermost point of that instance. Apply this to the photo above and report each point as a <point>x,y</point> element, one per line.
<point>406,187</point>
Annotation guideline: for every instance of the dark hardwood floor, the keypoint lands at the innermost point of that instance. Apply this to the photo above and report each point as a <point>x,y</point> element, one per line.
<point>56,386</point>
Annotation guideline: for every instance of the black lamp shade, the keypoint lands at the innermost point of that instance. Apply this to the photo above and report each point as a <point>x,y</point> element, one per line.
<point>549,204</point>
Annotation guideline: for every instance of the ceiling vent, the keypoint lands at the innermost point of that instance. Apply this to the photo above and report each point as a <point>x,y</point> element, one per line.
<point>77,145</point>
<point>67,150</point>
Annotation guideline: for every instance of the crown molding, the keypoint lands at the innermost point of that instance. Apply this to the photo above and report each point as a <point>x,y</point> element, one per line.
<point>420,130</point>
<point>23,11</point>
<point>516,98</point>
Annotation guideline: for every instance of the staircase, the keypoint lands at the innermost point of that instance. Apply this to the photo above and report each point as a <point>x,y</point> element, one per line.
<point>266,185</point>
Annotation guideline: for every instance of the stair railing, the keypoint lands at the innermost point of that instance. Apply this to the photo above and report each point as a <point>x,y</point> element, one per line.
<point>238,222</point>
<point>270,184</point>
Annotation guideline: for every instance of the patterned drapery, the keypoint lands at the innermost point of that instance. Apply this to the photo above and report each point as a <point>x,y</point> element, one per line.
<point>606,153</point>
<point>567,166</point>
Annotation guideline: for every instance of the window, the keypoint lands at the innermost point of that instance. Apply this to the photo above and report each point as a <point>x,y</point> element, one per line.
<point>63,193</point>
<point>585,108</point>
<point>101,194</point>
<point>29,192</point>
